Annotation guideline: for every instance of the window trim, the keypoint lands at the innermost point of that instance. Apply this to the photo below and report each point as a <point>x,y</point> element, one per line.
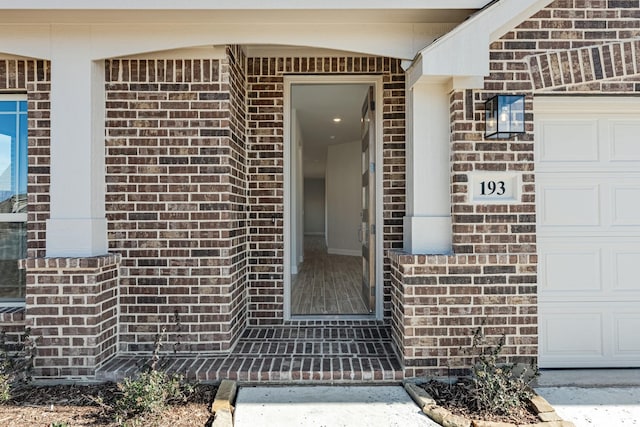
<point>20,217</point>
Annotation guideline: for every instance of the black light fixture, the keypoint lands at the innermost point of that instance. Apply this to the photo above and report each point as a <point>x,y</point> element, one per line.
<point>504,116</point>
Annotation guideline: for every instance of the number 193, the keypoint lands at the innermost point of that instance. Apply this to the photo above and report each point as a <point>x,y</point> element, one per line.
<point>492,188</point>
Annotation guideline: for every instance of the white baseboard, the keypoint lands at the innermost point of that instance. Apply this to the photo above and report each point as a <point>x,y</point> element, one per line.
<point>347,252</point>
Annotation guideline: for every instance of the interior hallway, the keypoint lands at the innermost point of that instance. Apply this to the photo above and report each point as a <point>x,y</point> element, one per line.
<point>327,284</point>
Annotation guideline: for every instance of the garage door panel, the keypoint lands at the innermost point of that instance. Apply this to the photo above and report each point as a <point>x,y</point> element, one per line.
<point>590,334</point>
<point>588,203</point>
<point>569,141</point>
<point>569,205</point>
<point>577,334</point>
<point>627,334</point>
<point>626,205</point>
<point>571,270</point>
<point>625,268</point>
<point>624,145</point>
<point>583,268</point>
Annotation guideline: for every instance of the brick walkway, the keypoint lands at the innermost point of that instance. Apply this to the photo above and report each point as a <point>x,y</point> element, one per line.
<point>298,352</point>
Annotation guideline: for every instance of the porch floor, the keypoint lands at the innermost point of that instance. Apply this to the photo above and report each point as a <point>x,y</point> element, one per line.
<point>297,352</point>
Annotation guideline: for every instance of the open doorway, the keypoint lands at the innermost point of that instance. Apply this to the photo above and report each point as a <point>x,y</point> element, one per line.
<point>332,134</point>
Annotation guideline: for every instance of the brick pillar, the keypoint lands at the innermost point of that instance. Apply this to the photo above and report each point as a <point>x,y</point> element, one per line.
<point>71,307</point>
<point>438,301</point>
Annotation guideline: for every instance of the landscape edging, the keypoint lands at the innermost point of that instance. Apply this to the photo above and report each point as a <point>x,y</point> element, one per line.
<point>545,412</point>
<point>222,406</point>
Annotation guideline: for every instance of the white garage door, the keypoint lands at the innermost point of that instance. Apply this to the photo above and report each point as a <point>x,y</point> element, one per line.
<point>588,202</point>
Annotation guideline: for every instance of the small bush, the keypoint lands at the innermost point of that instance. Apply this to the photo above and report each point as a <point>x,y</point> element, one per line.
<point>496,387</point>
<point>16,363</point>
<point>149,394</point>
<point>494,390</point>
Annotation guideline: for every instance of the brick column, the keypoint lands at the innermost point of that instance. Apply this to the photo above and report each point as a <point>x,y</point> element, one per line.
<point>72,307</point>
<point>438,301</point>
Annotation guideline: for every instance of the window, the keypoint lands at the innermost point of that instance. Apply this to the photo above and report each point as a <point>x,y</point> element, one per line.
<point>13,195</point>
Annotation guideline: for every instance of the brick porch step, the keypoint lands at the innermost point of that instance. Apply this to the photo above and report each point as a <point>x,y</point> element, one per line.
<point>298,352</point>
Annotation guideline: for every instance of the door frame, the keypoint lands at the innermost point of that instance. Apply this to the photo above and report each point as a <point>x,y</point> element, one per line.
<point>290,200</point>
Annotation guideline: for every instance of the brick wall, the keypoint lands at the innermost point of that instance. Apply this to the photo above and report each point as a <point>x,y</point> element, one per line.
<point>71,308</point>
<point>572,46</point>
<point>586,46</point>
<point>441,300</point>
<point>33,77</point>
<point>237,62</point>
<point>12,325</point>
<point>265,133</point>
<point>194,171</point>
<point>175,197</point>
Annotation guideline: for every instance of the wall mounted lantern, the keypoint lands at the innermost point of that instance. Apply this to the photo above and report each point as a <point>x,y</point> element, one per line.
<point>504,116</point>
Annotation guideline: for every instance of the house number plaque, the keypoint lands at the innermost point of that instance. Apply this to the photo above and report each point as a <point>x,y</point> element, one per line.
<point>494,187</point>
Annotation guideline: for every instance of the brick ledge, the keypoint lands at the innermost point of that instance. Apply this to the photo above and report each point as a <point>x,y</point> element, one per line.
<point>67,263</point>
<point>12,314</point>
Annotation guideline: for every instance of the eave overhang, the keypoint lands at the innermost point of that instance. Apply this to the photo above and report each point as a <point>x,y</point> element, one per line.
<point>461,57</point>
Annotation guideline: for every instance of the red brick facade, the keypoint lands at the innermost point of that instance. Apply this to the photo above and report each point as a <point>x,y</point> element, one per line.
<point>195,199</point>
<point>32,77</point>
<point>265,95</point>
<point>571,46</point>
<point>175,198</point>
<point>72,310</point>
<point>185,192</point>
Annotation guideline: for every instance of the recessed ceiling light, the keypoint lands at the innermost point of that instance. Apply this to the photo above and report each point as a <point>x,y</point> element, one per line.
<point>337,119</point>
<point>332,137</point>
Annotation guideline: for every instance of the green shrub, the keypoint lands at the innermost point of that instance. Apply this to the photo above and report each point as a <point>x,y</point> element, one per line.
<point>149,394</point>
<point>153,389</point>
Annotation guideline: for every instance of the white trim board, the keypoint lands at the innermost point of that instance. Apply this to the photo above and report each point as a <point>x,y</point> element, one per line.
<point>346,252</point>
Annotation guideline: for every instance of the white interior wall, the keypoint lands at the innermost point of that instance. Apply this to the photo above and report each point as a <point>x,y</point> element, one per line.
<point>314,206</point>
<point>343,196</point>
<point>297,194</point>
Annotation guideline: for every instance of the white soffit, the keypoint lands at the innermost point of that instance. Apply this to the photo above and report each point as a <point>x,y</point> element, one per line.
<point>128,27</point>
<point>238,4</point>
<point>238,11</point>
<point>462,55</point>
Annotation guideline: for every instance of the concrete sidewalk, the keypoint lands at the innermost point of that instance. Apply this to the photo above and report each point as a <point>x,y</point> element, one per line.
<point>595,407</point>
<point>329,406</point>
<point>588,398</point>
<point>593,397</point>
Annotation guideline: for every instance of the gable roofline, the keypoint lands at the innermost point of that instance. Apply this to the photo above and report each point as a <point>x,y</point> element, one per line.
<point>462,55</point>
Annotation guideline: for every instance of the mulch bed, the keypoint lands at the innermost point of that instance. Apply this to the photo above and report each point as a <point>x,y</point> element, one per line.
<point>457,400</point>
<point>88,405</point>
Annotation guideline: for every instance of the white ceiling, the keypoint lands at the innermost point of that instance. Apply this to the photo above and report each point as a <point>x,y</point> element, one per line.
<point>316,106</point>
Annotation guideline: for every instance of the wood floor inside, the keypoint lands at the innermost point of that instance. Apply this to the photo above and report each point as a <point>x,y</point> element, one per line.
<point>327,284</point>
